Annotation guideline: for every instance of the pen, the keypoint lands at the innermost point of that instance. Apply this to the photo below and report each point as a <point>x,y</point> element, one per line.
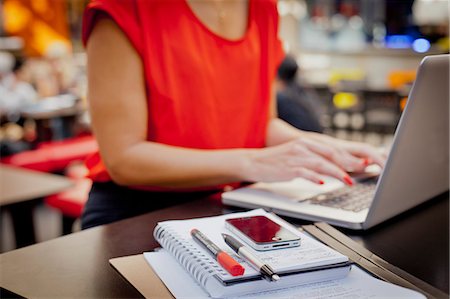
<point>225,260</point>
<point>244,252</point>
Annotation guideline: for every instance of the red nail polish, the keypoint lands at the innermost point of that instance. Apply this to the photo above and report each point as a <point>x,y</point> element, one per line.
<point>348,180</point>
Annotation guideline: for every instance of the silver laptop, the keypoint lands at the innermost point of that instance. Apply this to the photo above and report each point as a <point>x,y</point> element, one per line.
<point>417,168</point>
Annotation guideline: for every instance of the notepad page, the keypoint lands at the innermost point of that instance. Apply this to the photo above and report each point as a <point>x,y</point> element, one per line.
<point>358,284</point>
<point>311,253</point>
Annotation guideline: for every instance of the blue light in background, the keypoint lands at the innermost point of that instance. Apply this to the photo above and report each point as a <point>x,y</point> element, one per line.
<point>421,45</point>
<point>398,41</point>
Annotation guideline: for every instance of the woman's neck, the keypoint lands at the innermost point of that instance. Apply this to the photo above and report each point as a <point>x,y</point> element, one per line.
<point>226,18</point>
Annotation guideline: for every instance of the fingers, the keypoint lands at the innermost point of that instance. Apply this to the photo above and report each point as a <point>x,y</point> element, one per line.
<point>311,159</point>
<point>325,167</point>
<point>317,164</point>
<point>341,157</point>
<point>309,175</point>
<point>368,152</point>
<point>365,152</point>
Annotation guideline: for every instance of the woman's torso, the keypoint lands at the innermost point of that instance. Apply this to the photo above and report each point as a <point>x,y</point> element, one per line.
<point>204,91</point>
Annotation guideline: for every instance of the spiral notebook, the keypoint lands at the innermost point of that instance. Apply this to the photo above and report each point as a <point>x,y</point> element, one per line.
<point>311,262</point>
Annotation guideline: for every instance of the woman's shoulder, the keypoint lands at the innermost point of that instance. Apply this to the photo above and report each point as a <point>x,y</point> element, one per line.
<point>268,6</point>
<point>125,10</point>
<point>123,13</point>
<point>266,11</point>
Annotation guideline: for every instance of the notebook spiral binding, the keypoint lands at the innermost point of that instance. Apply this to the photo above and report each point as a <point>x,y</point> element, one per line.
<point>198,264</point>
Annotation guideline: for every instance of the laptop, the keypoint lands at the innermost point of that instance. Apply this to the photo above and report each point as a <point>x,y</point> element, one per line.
<point>417,168</point>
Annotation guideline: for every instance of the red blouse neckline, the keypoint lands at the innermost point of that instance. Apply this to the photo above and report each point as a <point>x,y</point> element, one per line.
<point>194,17</point>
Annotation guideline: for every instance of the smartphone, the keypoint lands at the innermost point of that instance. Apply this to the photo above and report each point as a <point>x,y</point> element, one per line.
<point>262,233</point>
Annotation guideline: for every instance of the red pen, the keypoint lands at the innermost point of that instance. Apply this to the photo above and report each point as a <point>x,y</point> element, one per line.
<point>225,260</point>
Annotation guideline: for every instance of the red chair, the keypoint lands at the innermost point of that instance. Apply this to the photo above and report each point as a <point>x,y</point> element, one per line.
<point>71,201</point>
<point>54,156</point>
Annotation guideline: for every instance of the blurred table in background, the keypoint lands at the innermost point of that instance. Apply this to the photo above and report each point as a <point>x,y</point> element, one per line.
<point>55,117</point>
<point>20,190</point>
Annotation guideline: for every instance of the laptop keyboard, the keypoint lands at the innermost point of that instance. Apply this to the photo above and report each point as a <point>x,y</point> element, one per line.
<point>350,198</point>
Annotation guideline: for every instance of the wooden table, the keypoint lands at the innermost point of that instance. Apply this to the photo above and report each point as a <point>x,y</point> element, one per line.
<point>77,265</point>
<point>19,190</point>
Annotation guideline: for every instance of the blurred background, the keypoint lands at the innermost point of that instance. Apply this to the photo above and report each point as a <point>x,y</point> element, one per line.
<point>350,65</point>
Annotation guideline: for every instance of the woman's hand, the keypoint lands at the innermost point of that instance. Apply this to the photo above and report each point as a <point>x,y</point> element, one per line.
<point>310,157</point>
<point>342,149</point>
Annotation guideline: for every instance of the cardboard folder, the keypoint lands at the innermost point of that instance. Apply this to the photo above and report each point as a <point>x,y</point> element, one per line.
<point>137,271</point>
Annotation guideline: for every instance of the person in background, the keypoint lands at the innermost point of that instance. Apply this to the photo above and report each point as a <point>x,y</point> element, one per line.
<point>295,105</point>
<point>15,94</point>
<point>182,102</point>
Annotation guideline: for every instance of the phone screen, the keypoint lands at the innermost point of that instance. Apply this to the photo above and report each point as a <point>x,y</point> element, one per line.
<point>262,230</point>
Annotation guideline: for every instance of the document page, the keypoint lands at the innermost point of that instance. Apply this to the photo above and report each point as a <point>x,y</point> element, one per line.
<point>358,284</point>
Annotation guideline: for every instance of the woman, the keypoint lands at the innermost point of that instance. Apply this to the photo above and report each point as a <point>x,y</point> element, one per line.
<point>181,100</point>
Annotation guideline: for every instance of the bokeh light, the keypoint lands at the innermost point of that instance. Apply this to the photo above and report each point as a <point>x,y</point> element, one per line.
<point>421,45</point>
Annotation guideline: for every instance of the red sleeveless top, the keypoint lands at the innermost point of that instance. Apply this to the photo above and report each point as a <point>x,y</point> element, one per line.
<point>204,91</point>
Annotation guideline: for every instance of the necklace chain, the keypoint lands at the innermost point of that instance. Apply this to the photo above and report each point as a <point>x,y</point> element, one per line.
<point>221,12</point>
